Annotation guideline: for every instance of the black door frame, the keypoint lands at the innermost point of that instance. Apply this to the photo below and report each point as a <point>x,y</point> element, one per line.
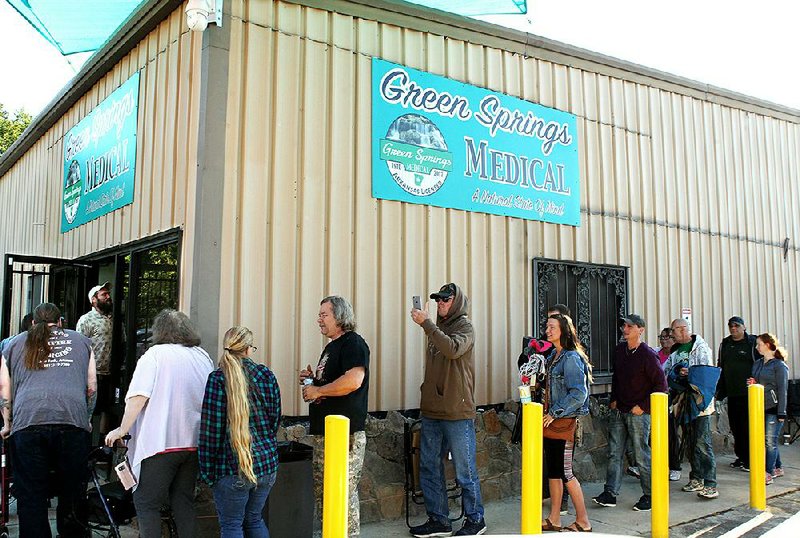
<point>92,261</point>
<point>9,272</point>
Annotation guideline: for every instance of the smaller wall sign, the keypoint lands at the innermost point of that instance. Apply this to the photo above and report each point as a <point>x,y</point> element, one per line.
<point>100,158</point>
<point>686,315</point>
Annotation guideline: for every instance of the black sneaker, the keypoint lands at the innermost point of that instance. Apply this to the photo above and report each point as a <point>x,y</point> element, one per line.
<point>736,464</point>
<point>606,499</point>
<point>432,528</point>
<point>643,505</point>
<point>472,528</point>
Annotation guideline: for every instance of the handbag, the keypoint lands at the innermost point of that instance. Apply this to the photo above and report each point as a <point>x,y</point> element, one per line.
<point>561,428</point>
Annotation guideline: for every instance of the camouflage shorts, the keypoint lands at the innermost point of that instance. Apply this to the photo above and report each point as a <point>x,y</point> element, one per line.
<point>358,444</point>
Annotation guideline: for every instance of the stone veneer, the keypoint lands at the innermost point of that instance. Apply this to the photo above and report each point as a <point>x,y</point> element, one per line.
<point>382,487</point>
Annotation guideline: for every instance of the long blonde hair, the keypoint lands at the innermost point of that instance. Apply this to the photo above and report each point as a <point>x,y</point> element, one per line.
<point>235,345</point>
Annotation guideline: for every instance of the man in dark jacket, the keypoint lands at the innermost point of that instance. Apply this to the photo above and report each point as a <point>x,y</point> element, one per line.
<point>637,374</point>
<point>737,353</point>
<point>448,414</point>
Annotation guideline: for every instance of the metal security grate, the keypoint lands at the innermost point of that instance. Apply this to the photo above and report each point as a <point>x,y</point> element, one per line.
<point>597,295</point>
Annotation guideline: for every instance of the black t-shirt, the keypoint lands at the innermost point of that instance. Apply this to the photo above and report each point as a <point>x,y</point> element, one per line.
<point>340,355</point>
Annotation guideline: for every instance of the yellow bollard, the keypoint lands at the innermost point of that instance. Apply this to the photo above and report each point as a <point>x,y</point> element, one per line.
<point>335,484</point>
<point>659,465</point>
<point>758,464</point>
<point>531,509</point>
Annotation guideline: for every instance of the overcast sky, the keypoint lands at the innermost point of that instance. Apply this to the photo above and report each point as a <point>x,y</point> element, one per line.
<point>748,47</point>
<point>744,46</point>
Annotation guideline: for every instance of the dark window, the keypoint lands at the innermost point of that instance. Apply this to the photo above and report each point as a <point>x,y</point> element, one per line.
<point>597,296</point>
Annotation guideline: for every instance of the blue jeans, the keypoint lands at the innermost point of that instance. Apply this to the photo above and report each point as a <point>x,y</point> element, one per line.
<point>240,505</point>
<point>34,451</point>
<point>457,436</point>
<point>773,430</point>
<point>624,427</point>
<point>701,453</point>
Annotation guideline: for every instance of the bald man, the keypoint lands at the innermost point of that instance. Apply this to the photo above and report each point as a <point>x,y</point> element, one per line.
<point>690,351</point>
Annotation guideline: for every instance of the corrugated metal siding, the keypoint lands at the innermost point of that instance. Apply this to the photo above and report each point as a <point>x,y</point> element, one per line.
<point>694,197</point>
<point>168,59</point>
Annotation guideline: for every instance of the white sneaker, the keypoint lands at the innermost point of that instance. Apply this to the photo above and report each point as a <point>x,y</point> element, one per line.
<point>674,476</point>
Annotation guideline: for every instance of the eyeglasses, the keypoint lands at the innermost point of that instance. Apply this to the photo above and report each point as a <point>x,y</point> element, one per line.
<point>665,337</point>
<point>440,300</point>
<point>254,348</point>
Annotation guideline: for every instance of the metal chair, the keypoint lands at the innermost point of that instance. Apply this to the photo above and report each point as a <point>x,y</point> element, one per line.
<point>411,442</point>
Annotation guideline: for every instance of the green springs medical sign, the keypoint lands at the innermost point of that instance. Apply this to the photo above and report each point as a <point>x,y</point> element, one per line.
<point>440,142</point>
<point>100,158</point>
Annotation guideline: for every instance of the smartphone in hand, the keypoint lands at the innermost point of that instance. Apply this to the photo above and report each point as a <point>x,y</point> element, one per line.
<point>416,302</point>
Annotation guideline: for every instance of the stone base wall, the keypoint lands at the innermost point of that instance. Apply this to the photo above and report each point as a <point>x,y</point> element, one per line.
<point>382,488</point>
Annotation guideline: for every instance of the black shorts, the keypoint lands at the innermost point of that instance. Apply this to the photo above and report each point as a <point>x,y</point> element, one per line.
<point>554,457</point>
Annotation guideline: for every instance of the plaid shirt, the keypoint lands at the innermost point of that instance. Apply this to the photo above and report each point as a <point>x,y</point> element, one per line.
<point>217,458</point>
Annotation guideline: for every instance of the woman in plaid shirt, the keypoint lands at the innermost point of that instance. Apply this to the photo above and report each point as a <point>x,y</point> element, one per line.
<point>238,450</point>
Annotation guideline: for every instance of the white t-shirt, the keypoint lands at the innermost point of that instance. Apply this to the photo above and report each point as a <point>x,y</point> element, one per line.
<point>173,377</point>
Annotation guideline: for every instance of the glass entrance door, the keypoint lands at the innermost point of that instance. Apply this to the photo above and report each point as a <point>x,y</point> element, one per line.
<point>151,280</point>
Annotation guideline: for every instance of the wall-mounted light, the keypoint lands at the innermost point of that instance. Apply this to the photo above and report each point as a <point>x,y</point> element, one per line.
<point>199,13</point>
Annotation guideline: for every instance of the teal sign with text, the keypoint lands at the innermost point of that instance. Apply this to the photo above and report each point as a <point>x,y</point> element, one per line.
<point>100,158</point>
<point>444,143</point>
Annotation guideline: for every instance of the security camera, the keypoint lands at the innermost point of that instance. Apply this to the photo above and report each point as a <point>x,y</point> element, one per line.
<point>197,14</point>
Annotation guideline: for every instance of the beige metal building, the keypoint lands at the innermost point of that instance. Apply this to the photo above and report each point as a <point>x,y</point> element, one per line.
<point>253,194</point>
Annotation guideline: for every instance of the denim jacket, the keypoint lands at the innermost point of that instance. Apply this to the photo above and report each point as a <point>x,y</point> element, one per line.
<point>568,385</point>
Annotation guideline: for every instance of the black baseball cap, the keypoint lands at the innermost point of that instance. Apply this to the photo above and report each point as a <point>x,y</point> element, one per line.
<point>634,319</point>
<point>736,320</point>
<point>445,292</point>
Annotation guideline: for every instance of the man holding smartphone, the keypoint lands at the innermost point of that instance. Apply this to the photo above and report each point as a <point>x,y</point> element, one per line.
<point>448,413</point>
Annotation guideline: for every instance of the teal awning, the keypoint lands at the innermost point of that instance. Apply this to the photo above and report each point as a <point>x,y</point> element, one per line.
<point>75,25</point>
<point>471,8</point>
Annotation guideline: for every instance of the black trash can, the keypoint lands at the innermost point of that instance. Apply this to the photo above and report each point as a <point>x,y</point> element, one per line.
<point>290,506</point>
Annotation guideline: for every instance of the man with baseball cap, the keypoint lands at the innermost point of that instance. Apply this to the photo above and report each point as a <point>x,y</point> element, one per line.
<point>637,374</point>
<point>736,356</point>
<point>98,326</point>
<point>447,407</point>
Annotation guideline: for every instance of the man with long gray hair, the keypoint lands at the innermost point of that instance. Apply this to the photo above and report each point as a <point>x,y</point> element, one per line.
<point>338,386</point>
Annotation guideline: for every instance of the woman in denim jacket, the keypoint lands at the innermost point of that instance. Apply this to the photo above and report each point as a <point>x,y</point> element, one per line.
<point>569,374</point>
<point>772,372</point>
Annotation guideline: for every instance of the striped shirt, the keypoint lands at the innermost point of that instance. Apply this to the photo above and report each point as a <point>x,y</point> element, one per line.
<point>217,458</point>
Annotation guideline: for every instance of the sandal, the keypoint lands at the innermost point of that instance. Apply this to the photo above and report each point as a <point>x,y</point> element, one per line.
<point>548,526</point>
<point>576,527</point>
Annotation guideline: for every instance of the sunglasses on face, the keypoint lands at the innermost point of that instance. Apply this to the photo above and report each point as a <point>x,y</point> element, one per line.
<point>440,300</point>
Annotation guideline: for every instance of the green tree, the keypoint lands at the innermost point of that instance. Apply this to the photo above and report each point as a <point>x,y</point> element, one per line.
<point>11,128</point>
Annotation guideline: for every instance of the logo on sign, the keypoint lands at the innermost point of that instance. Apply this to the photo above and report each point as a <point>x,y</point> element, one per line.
<point>416,154</point>
<point>72,191</point>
